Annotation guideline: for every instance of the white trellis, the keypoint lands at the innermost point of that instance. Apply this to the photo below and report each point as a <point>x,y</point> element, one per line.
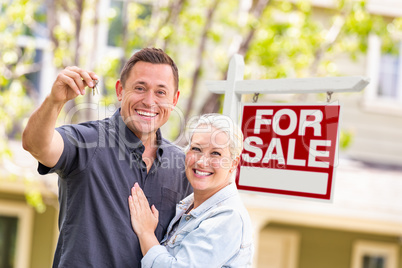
<point>235,86</point>
<point>299,178</point>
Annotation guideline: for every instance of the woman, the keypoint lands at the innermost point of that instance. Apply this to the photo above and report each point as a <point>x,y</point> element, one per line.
<point>212,227</point>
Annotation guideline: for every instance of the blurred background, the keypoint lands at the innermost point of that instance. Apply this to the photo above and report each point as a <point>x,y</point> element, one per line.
<point>360,228</point>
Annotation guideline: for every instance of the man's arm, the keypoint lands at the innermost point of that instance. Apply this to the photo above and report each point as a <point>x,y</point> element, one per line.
<point>40,137</point>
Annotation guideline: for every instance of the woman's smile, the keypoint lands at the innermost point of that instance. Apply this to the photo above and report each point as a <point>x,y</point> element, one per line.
<point>199,173</point>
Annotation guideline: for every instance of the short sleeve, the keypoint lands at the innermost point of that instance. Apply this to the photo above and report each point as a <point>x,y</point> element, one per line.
<point>80,144</point>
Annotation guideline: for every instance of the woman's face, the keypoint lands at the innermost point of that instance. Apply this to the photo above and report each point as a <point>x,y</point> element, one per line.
<point>209,164</point>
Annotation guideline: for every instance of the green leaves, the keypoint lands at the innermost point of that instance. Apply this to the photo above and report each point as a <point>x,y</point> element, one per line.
<point>345,139</point>
<point>16,18</point>
<point>278,38</point>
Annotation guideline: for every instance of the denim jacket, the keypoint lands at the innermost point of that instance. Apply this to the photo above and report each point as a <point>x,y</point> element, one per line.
<point>218,233</point>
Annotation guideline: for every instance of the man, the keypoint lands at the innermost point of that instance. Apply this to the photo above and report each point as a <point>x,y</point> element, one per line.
<point>99,161</point>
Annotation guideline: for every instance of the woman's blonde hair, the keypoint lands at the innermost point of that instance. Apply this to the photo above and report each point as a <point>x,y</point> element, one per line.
<point>220,122</point>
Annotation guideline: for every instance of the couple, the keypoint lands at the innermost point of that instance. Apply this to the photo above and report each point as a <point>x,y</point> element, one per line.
<point>98,162</point>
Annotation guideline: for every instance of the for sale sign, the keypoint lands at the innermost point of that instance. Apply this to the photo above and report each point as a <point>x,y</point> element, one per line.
<point>289,150</point>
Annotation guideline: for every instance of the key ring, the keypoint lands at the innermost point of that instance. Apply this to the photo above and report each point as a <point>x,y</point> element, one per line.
<point>95,89</point>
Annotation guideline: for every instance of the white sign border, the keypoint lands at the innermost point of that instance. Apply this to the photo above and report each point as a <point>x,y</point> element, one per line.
<point>336,157</point>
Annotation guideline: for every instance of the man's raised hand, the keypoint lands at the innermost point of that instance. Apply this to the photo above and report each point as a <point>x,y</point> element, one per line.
<point>70,83</point>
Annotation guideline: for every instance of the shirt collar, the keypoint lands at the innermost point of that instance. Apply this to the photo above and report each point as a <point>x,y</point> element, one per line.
<point>218,197</point>
<point>131,141</point>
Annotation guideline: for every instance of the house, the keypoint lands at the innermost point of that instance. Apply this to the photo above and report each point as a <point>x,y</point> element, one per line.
<point>28,237</point>
<point>362,226</point>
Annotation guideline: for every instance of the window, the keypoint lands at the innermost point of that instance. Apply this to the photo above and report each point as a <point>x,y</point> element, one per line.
<point>385,72</point>
<point>8,234</point>
<point>116,24</point>
<point>141,11</point>
<point>373,261</point>
<point>368,254</point>
<point>16,221</point>
<point>34,78</point>
<point>42,73</point>
<point>388,76</point>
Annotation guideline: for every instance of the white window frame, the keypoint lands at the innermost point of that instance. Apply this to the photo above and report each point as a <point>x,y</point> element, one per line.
<point>372,101</point>
<point>48,71</point>
<point>389,250</point>
<point>287,240</point>
<point>25,215</point>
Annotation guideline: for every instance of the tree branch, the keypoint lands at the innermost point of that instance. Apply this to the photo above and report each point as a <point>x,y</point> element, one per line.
<point>213,102</point>
<point>200,54</point>
<point>332,36</point>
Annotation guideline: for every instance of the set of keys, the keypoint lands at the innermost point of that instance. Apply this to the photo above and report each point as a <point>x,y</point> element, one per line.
<point>95,89</point>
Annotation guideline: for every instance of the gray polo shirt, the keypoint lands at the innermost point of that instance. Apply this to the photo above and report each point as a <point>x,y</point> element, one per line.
<point>100,163</point>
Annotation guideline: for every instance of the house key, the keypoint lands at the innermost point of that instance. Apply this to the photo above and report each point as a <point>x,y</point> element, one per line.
<point>95,89</point>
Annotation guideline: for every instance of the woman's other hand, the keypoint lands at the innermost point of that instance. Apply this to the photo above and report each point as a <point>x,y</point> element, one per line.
<point>144,219</point>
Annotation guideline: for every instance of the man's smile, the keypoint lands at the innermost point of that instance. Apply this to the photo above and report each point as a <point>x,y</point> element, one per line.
<point>146,114</point>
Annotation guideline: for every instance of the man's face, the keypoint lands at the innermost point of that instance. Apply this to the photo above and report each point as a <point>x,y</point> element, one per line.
<point>148,97</point>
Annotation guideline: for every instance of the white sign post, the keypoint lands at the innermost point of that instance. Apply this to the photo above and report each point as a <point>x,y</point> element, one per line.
<point>268,163</point>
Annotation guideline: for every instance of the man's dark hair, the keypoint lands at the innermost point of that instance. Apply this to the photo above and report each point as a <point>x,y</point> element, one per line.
<point>151,55</point>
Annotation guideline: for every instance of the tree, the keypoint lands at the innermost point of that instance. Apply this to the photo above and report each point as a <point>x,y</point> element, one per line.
<point>288,40</point>
<point>71,42</point>
<point>278,38</point>
<point>16,63</point>
<point>21,23</point>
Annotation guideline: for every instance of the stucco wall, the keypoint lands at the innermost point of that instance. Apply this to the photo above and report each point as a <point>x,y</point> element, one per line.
<point>40,239</point>
<point>327,248</point>
<point>44,238</point>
